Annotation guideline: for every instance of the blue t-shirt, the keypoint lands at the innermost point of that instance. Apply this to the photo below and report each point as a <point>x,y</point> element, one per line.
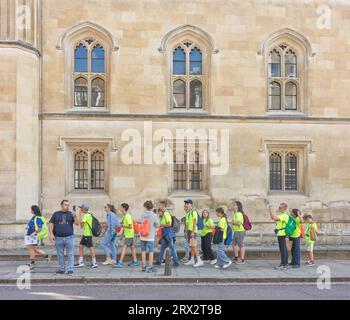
<point>63,224</point>
<point>31,225</point>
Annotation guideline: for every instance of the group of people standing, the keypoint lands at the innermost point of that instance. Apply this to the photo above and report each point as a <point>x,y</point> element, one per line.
<point>290,229</point>
<point>158,226</point>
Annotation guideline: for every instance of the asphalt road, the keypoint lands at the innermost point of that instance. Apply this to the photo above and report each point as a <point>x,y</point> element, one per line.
<point>176,292</point>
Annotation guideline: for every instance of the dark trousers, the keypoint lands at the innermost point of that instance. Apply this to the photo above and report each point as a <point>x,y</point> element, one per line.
<point>296,251</point>
<point>208,253</point>
<point>283,250</point>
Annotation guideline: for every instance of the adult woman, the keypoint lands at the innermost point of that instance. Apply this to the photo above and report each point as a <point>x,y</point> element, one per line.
<point>207,238</point>
<point>239,232</point>
<point>37,226</point>
<point>108,243</point>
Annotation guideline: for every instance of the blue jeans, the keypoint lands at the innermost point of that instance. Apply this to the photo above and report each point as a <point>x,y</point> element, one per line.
<point>108,245</point>
<point>296,251</point>
<point>283,250</point>
<point>187,248</point>
<point>222,258</point>
<point>168,241</point>
<point>62,245</point>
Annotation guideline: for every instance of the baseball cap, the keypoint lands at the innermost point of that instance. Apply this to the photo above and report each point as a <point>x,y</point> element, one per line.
<point>85,207</point>
<point>188,202</point>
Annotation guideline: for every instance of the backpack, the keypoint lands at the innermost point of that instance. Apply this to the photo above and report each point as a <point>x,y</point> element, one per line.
<point>176,224</point>
<point>290,226</point>
<point>218,236</point>
<point>96,227</point>
<point>145,228</point>
<point>246,223</point>
<point>313,234</point>
<point>44,233</point>
<point>136,227</point>
<point>200,224</point>
<point>229,237</point>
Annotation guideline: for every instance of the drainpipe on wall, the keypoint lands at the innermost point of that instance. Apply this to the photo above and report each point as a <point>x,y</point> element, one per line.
<point>40,43</point>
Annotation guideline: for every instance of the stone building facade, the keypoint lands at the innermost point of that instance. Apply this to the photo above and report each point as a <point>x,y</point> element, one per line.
<point>79,78</point>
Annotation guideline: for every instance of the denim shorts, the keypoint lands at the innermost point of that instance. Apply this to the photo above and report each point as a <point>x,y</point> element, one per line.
<point>129,242</point>
<point>147,246</point>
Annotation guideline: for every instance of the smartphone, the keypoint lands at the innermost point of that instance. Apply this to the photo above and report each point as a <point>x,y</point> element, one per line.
<point>74,208</point>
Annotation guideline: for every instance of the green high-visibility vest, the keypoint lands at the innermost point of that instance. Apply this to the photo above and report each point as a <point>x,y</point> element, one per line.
<point>44,233</point>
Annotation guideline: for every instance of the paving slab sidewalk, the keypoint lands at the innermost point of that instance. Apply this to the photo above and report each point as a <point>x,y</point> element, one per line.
<point>255,271</point>
<point>327,252</point>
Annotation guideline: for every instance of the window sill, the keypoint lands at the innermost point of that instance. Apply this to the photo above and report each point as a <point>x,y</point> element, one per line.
<point>189,194</point>
<point>295,194</point>
<point>189,112</point>
<point>285,113</point>
<point>94,193</point>
<point>87,110</point>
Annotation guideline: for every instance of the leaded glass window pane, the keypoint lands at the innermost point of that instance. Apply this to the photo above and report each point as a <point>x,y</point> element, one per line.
<point>179,62</point>
<point>179,94</point>
<point>196,62</point>
<point>81,92</point>
<point>98,93</point>
<point>81,179</point>
<point>275,172</point>
<point>81,59</point>
<point>196,94</point>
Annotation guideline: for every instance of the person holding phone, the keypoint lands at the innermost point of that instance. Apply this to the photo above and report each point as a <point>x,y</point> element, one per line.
<point>62,233</point>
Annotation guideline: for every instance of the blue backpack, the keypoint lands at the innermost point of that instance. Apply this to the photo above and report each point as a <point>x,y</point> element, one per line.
<point>200,223</point>
<point>229,238</point>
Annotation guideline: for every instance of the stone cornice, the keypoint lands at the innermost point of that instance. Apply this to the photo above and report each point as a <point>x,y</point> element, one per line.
<point>20,45</point>
<point>192,117</point>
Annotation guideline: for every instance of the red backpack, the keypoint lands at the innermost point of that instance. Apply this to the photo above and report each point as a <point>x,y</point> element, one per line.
<point>145,229</point>
<point>136,227</point>
<point>247,224</point>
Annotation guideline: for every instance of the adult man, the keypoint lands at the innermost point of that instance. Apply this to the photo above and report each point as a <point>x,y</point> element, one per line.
<point>281,221</point>
<point>192,231</point>
<point>87,239</point>
<point>62,233</point>
<point>167,235</point>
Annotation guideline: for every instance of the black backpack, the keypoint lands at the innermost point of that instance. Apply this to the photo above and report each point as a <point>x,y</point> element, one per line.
<point>218,236</point>
<point>96,227</point>
<point>176,224</point>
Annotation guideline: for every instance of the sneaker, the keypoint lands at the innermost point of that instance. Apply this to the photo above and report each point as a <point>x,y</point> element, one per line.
<point>217,267</point>
<point>311,264</point>
<point>163,262</point>
<point>79,265</point>
<point>134,264</point>
<point>184,260</point>
<point>235,260</point>
<point>190,263</point>
<point>206,261</point>
<point>213,263</point>
<point>227,265</point>
<point>144,268</point>
<point>279,267</point>
<point>48,258</point>
<point>307,263</point>
<point>31,264</point>
<point>94,266</point>
<point>108,262</point>
<point>199,264</point>
<point>151,270</point>
<point>60,272</point>
<point>69,273</point>
<point>241,262</point>
<point>119,265</point>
